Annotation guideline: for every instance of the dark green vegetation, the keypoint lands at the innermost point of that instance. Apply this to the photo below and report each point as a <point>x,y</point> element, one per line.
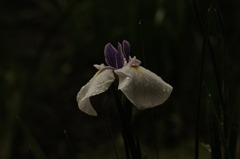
<point>48,47</point>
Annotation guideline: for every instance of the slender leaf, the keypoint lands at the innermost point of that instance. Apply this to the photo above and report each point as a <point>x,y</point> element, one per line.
<point>35,147</point>
<point>234,130</point>
<point>204,51</point>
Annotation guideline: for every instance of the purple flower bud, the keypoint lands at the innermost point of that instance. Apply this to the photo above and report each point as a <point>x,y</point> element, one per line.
<point>119,57</point>
<point>126,49</point>
<point>114,57</point>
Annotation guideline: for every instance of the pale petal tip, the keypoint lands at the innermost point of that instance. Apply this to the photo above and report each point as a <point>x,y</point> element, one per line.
<point>85,106</point>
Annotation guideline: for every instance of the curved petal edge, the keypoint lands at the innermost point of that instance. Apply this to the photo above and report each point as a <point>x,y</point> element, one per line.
<point>142,87</point>
<point>99,83</point>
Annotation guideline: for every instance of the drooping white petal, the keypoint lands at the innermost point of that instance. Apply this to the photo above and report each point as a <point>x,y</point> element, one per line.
<point>98,84</point>
<point>142,87</point>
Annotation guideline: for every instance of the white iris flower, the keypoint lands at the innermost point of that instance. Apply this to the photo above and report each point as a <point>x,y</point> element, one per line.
<point>141,86</point>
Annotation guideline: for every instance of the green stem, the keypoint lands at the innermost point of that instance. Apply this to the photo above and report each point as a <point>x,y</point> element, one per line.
<point>204,50</point>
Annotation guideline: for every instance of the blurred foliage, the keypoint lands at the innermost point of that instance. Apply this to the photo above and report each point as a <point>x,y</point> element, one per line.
<point>48,47</point>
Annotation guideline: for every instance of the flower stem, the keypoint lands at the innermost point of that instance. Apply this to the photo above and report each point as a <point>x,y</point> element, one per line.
<point>131,144</point>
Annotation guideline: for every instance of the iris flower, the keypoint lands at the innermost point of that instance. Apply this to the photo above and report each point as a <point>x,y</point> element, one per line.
<point>143,88</point>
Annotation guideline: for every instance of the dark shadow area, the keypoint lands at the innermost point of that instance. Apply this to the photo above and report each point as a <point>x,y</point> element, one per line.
<point>47,52</point>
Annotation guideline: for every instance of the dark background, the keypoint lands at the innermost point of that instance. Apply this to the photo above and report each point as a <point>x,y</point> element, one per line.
<point>48,47</point>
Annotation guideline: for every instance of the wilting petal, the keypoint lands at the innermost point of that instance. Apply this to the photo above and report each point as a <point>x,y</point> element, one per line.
<point>142,87</point>
<point>98,84</point>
